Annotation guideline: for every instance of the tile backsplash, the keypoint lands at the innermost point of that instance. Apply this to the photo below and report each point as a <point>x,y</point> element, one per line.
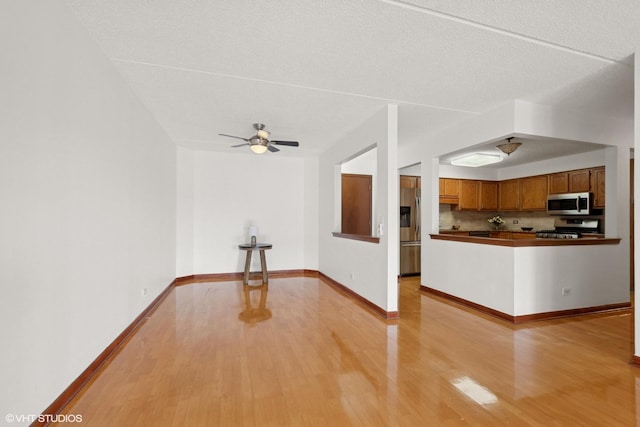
<point>472,220</point>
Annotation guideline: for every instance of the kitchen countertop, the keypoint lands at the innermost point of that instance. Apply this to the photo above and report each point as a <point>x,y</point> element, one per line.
<point>462,236</point>
<point>450,231</point>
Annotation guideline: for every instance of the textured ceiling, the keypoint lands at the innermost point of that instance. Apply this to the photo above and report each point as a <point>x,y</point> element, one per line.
<point>313,70</point>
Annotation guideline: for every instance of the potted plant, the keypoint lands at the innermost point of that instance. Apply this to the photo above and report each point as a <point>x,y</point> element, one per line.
<point>496,221</point>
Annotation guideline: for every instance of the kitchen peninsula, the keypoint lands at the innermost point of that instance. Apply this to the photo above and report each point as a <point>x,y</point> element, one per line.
<point>527,279</point>
<point>524,279</point>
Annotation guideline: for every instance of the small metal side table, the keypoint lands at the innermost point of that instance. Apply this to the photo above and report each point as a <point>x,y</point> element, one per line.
<point>263,260</point>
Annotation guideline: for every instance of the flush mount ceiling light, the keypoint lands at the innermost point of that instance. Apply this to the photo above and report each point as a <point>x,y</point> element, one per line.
<point>509,147</point>
<point>476,159</point>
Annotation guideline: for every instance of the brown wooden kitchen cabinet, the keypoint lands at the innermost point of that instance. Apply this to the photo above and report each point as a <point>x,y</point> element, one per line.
<point>534,191</point>
<point>469,195</point>
<point>576,181</point>
<point>559,183</point>
<point>509,195</point>
<point>597,187</point>
<point>522,194</point>
<point>580,181</point>
<point>449,187</point>
<point>449,190</point>
<point>488,195</point>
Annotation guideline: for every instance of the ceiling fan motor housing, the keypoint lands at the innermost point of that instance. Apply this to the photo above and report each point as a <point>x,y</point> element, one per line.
<point>257,140</point>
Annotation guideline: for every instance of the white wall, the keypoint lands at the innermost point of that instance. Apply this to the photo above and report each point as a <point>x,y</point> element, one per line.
<point>88,184</point>
<point>529,280</point>
<point>365,164</point>
<point>413,170</point>
<point>222,194</point>
<point>479,273</point>
<point>410,155</point>
<point>369,269</point>
<point>185,212</point>
<point>591,273</point>
<point>311,212</point>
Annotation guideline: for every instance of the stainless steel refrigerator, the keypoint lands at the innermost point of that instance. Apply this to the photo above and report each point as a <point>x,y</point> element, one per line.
<point>409,231</point>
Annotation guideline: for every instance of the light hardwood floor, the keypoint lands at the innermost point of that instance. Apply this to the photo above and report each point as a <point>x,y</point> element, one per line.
<point>317,358</point>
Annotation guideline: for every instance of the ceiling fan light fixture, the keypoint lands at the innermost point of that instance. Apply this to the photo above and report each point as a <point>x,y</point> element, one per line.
<point>258,145</point>
<point>509,147</point>
<point>263,134</point>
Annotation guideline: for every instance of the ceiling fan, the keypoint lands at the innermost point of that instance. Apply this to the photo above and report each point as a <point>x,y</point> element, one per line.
<point>259,143</point>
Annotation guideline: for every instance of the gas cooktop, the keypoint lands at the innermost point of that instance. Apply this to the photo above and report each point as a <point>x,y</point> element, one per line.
<point>554,234</point>
<point>570,228</point>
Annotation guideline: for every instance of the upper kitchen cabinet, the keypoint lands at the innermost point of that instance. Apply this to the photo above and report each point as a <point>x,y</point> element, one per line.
<point>449,190</point>
<point>559,183</point>
<point>597,187</point>
<point>521,194</point>
<point>577,181</point>
<point>580,181</point>
<point>534,191</point>
<point>488,196</point>
<point>469,195</point>
<point>509,195</point>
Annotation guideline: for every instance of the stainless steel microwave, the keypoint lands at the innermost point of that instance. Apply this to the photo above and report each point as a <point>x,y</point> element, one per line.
<point>569,204</point>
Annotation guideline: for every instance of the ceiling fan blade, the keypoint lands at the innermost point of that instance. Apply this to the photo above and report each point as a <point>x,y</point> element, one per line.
<point>288,143</point>
<point>232,136</point>
<point>240,145</point>
<point>272,149</point>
